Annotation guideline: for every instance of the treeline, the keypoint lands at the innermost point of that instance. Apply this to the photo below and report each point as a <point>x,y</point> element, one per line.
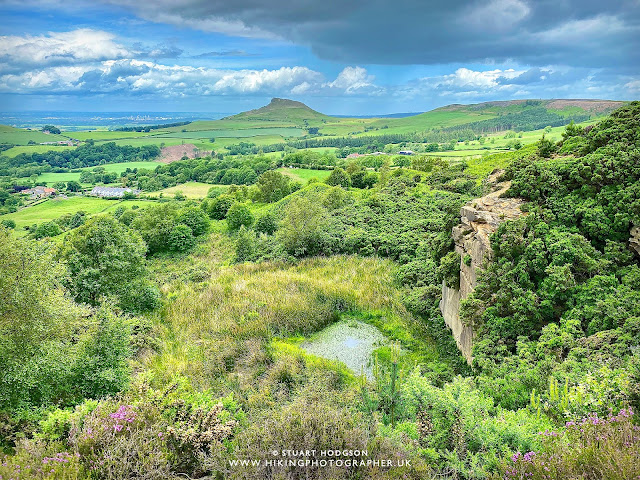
<point>87,155</point>
<point>228,171</point>
<point>364,144</point>
<point>148,128</point>
<point>533,118</point>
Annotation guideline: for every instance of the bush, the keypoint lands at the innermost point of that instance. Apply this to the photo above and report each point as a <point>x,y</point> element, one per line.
<point>195,219</point>
<point>220,205</point>
<point>266,224</point>
<point>449,270</point>
<point>181,238</point>
<point>338,177</point>
<point>49,229</point>
<point>592,448</point>
<point>239,215</point>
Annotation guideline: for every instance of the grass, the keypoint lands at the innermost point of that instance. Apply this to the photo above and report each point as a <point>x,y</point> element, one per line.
<point>29,149</point>
<point>189,190</point>
<point>52,177</point>
<point>304,174</point>
<point>20,136</point>
<point>54,208</point>
<point>485,165</point>
<point>113,135</point>
<point>236,133</point>
<point>240,309</point>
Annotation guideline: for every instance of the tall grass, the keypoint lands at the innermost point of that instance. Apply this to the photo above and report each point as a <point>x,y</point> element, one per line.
<point>225,324</point>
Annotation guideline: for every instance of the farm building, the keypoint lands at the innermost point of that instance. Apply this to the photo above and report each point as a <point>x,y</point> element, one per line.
<point>39,192</point>
<point>112,192</point>
<point>406,152</point>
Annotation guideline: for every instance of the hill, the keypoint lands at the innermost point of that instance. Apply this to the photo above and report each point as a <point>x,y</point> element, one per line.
<point>281,109</point>
<point>597,107</point>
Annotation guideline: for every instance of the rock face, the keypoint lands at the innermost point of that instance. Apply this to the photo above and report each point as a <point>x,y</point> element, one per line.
<point>634,239</point>
<point>478,220</point>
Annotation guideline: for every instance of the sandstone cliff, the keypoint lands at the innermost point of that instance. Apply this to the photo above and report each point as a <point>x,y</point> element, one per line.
<point>479,219</point>
<point>634,239</point>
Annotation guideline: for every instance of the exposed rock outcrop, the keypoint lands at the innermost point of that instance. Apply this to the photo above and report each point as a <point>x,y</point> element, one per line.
<point>634,239</point>
<point>479,219</point>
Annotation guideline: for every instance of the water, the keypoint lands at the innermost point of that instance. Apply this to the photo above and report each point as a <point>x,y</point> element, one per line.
<point>350,342</point>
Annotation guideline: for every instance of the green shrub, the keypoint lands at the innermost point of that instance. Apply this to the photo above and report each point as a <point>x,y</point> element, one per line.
<point>239,215</point>
<point>266,224</point>
<point>181,238</point>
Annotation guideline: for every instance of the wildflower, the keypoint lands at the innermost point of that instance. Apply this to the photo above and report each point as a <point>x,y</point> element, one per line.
<point>529,456</point>
<point>515,456</point>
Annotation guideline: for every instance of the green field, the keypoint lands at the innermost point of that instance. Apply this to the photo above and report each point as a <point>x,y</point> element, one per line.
<point>28,149</point>
<point>236,133</point>
<point>189,190</point>
<point>304,174</point>
<point>55,208</point>
<point>51,177</point>
<point>112,135</point>
<point>21,136</point>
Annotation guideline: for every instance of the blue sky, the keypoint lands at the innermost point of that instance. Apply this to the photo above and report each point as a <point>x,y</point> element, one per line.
<point>356,57</point>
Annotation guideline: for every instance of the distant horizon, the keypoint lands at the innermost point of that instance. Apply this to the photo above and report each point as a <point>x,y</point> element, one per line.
<point>208,115</point>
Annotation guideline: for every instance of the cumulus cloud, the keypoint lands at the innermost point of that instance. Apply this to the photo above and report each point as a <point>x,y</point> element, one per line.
<point>588,33</point>
<point>355,80</point>
<point>59,48</point>
<point>136,77</point>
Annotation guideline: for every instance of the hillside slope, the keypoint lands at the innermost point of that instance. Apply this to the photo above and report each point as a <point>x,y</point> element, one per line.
<point>281,109</point>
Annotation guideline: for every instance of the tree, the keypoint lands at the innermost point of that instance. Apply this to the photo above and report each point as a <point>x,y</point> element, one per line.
<point>266,224</point>
<point>239,215</point>
<point>219,207</point>
<point>272,186</point>
<point>546,147</point>
<point>181,238</point>
<point>51,129</point>
<point>48,229</point>
<point>52,350</point>
<point>195,219</point>
<point>245,245</point>
<point>8,223</point>
<point>303,228</point>
<point>104,258</point>
<point>74,186</point>
<point>338,177</point>
<point>155,224</point>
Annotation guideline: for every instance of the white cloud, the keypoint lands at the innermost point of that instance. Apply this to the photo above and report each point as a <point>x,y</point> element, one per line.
<point>633,86</point>
<point>59,48</point>
<point>465,78</point>
<point>140,76</point>
<point>354,80</point>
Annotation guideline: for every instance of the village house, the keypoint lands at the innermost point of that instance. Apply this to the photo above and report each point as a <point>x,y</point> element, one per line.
<point>406,152</point>
<point>39,192</point>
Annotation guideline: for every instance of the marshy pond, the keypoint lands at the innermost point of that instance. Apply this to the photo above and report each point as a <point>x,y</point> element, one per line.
<point>349,341</point>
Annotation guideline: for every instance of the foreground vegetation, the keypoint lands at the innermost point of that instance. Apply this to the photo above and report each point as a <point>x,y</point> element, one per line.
<point>162,339</point>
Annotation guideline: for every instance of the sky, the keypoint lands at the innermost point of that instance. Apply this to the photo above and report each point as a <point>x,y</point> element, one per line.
<point>343,57</point>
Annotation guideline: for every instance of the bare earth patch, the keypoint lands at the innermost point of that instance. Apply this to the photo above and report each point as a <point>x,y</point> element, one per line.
<point>176,152</point>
